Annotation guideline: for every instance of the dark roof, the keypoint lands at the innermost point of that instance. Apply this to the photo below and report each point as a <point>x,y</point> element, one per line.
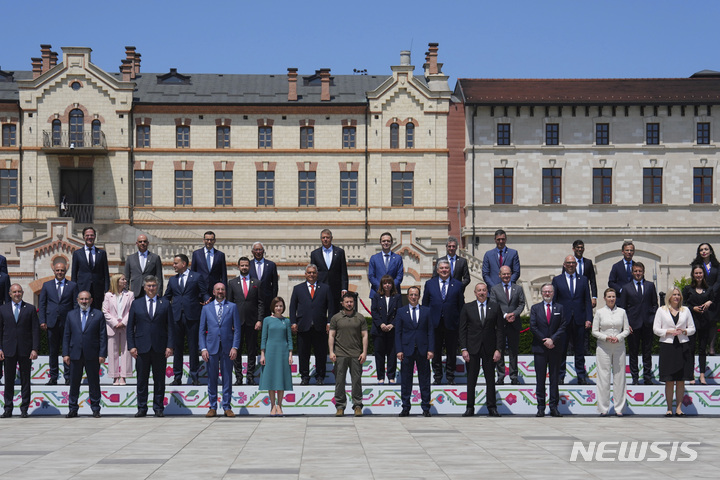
<point>9,89</point>
<point>634,91</point>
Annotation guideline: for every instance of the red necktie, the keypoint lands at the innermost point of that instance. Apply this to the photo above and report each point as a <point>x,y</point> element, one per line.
<point>312,291</point>
<point>549,315</point>
<point>245,287</point>
<point>507,292</point>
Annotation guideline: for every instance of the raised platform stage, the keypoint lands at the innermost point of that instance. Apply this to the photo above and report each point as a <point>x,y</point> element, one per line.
<point>377,399</point>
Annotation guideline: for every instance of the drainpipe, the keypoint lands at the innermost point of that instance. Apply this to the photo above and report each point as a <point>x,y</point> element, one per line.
<point>472,145</point>
<point>20,165</point>
<point>131,162</point>
<point>367,160</point>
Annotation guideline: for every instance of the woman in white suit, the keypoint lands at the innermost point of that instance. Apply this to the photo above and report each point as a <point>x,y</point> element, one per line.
<point>673,324</point>
<point>610,327</point>
<point>116,307</point>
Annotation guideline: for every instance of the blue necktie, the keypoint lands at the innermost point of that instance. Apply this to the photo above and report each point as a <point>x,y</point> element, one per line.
<point>150,310</point>
<point>220,312</point>
<point>452,266</point>
<point>443,292</point>
<point>17,312</point>
<point>84,319</point>
<point>628,270</point>
<point>208,257</point>
<point>572,285</point>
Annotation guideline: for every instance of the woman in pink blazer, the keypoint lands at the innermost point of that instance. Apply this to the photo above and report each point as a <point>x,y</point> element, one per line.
<point>116,307</point>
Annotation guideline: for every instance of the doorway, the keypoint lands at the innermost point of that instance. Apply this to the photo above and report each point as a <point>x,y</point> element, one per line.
<point>76,194</point>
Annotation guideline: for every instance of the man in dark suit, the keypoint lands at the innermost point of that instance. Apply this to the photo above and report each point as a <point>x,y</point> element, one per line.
<point>220,342</point>
<point>141,264</point>
<point>332,269</point>
<point>459,269</point>
<point>210,262</point>
<point>444,296</point>
<point>309,319</point>
<point>3,265</point>
<point>150,342</point>
<point>547,325</point>
<point>621,272</point>
<point>85,347</point>
<point>497,257</point>
<point>4,298</point>
<point>57,298</point>
<point>19,344</point>
<point>573,293</point>
<point>188,293</point>
<point>480,337</point>
<point>266,271</point>
<point>90,268</point>
<point>640,301</point>
<point>385,262</point>
<point>586,268</point>
<point>245,292</point>
<point>414,340</point>
<point>511,299</point>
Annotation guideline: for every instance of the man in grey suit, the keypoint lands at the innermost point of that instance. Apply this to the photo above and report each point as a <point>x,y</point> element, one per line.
<point>511,299</point>
<point>140,265</point>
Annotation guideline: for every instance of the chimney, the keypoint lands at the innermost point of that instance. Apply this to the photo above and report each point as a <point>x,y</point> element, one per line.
<point>432,58</point>
<point>53,59</point>
<point>36,67</point>
<point>324,84</point>
<point>126,69</point>
<point>130,55</point>
<point>292,84</point>
<point>137,64</point>
<point>45,52</point>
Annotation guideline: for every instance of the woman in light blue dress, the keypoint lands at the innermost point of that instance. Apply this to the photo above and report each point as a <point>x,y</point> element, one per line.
<point>276,356</point>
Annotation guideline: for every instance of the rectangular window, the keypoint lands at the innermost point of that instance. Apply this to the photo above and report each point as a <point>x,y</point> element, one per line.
<point>306,189</point>
<point>183,137</point>
<point>223,189</point>
<point>307,137</point>
<point>410,135</point>
<point>348,189</point>
<point>143,188</point>
<point>653,133</point>
<point>183,188</point>
<point>223,137</point>
<point>552,183</point>
<point>402,189</point>
<point>552,134</point>
<point>703,133</point>
<point>602,185</point>
<point>142,136</point>
<point>8,135</point>
<point>652,185</point>
<point>265,189</point>
<point>602,134</point>
<point>503,186</point>
<point>394,135</point>
<point>348,137</point>
<point>503,134</point>
<point>264,137</point>
<point>702,185</point>
<point>8,187</point>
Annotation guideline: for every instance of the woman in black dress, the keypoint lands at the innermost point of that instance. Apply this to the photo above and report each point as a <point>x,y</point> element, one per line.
<point>705,256</point>
<point>699,299</point>
<point>383,309</point>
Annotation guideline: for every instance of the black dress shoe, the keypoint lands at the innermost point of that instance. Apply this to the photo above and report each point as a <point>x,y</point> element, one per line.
<point>437,382</point>
<point>176,382</point>
<point>492,412</point>
<point>500,382</point>
<point>141,413</point>
<point>24,414</point>
<point>404,413</point>
<point>159,413</point>
<point>469,412</point>
<point>305,381</point>
<point>426,413</point>
<point>451,381</point>
<point>52,381</point>
<point>71,415</point>
<point>6,414</point>
<point>582,381</point>
<point>540,413</point>
<point>635,381</point>
<point>648,381</point>
<point>96,414</point>
<point>238,381</point>
<point>250,381</point>
<point>320,381</point>
<point>67,381</point>
<point>515,382</point>
<point>554,413</point>
<point>196,383</point>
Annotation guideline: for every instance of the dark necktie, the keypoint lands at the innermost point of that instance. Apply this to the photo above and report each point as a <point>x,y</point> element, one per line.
<point>414,315</point>
<point>507,292</point>
<point>220,313</point>
<point>150,309</point>
<point>482,313</point>
<point>91,260</point>
<point>443,292</point>
<point>59,290</point>
<point>572,285</point>
<point>182,282</point>
<point>628,270</point>
<point>639,288</point>
<point>500,259</point>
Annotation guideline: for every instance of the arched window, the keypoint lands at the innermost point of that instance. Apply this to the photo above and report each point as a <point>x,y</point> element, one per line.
<point>409,135</point>
<point>96,133</point>
<point>76,128</point>
<point>56,133</point>
<point>394,135</point>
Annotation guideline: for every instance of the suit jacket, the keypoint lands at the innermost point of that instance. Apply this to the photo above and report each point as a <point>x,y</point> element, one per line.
<point>663,321</point>
<point>541,329</point>
<point>53,310</point>
<point>408,335</point>
<point>491,267</point>
<point>187,301</point>
<point>135,275</point>
<point>383,312</point>
<point>3,265</point>
<point>336,277</point>
<point>252,308</point>
<point>95,281</point>
<point>376,270</point>
<point>111,312</point>
<point>306,311</point>
<point>461,271</point>
<point>448,310</point>
<point>589,273</point>
<point>618,276</point>
<point>516,304</point>
<point>91,342</point>
<point>268,282</point>
<point>577,307</point>
<point>213,335</point>
<point>481,337</point>
<point>640,309</point>
<point>145,333</point>
<point>218,273</point>
<point>22,338</point>
<point>4,288</point>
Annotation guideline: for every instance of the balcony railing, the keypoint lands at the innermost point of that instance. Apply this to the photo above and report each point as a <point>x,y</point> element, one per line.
<point>82,213</point>
<point>80,142</point>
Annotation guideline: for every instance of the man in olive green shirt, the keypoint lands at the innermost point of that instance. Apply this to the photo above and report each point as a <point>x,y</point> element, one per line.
<point>348,343</point>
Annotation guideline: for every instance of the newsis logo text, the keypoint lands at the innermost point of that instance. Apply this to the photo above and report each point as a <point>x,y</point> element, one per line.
<point>634,451</point>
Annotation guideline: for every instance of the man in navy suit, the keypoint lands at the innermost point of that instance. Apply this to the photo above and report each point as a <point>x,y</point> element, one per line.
<point>150,342</point>
<point>640,301</point>
<point>496,258</point>
<point>85,347</point>
<point>331,268</point>
<point>621,272</point>
<point>573,293</point>
<point>414,340</point>
<point>244,291</point>
<point>385,262</point>
<point>220,341</point>
<point>586,268</point>
<point>57,298</point>
<point>209,262</point>
<point>3,265</point>
<point>309,319</point>
<point>511,299</point>
<point>19,344</point>
<point>480,337</point>
<point>90,268</point>
<point>187,292</point>
<point>444,296</point>
<point>459,269</point>
<point>547,326</point>
<point>266,271</point>
<point>4,298</point>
